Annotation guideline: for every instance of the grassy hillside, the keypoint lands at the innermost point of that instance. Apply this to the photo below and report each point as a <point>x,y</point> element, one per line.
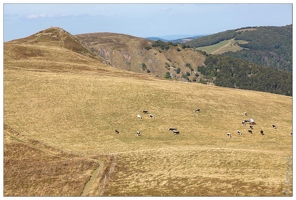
<point>71,104</point>
<point>132,53</point>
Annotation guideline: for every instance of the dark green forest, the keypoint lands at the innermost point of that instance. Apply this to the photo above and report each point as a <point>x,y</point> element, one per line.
<point>232,72</point>
<point>268,46</point>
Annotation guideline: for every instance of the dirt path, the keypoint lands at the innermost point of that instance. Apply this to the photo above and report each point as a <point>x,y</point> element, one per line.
<point>93,177</point>
<point>228,44</point>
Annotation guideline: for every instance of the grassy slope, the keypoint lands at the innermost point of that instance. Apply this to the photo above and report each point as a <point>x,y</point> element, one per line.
<point>222,47</point>
<point>75,105</point>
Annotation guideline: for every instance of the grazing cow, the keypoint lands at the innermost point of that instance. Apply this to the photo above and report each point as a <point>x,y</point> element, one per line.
<point>245,113</point>
<point>239,132</point>
<point>261,132</point>
<point>172,129</point>
<point>252,121</point>
<point>274,126</point>
<point>197,110</point>
<point>176,132</point>
<point>245,121</point>
<point>291,133</point>
<point>251,127</point>
<point>116,131</point>
<point>151,116</point>
<point>250,131</point>
<point>138,133</point>
<point>145,111</point>
<point>229,135</point>
<point>139,116</point>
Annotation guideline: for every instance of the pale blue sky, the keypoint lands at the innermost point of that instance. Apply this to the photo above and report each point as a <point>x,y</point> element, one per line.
<point>141,20</point>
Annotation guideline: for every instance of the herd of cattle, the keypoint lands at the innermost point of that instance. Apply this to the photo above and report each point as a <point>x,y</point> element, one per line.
<point>251,122</point>
<point>138,133</point>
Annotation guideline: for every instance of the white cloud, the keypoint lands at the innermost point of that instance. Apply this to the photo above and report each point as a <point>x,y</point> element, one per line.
<point>35,16</point>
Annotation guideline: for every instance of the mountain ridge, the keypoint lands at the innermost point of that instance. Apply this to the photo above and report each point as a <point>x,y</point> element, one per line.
<point>165,60</point>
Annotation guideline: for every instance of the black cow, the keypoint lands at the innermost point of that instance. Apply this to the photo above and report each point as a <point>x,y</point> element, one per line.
<point>197,110</point>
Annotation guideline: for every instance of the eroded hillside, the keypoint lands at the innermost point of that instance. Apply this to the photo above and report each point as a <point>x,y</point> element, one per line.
<point>140,55</point>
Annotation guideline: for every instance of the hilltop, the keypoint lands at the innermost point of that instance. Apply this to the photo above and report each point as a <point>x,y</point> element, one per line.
<point>57,37</point>
<point>62,106</point>
<point>47,49</point>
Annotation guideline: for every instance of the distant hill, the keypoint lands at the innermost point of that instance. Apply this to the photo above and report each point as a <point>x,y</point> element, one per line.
<point>175,38</point>
<point>186,39</point>
<point>156,38</point>
<point>266,46</point>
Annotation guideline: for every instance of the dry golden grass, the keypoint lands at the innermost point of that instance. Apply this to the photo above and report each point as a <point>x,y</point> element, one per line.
<point>76,110</point>
<point>199,171</point>
<point>32,172</point>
